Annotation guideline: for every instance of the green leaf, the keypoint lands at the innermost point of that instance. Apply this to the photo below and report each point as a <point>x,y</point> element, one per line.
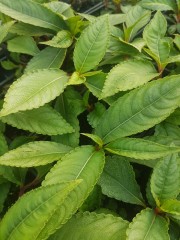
<point>177,40</point>
<point>171,206</point>
<point>3,144</point>
<point>125,76</point>
<point>95,83</point>
<point>30,12</point>
<point>94,226</point>
<point>4,29</point>
<point>154,34</point>
<point>43,86</point>
<point>30,214</point>
<point>136,18</point>
<point>168,129</point>
<point>162,5</point>
<point>139,148</point>
<point>61,8</point>
<point>44,120</point>
<point>95,138</point>
<point>140,109</point>
<point>25,29</point>
<point>82,163</point>
<point>4,187</point>
<point>23,44</point>
<point>147,226</point>
<point>34,154</point>
<point>174,118</point>
<point>70,104</point>
<point>63,39</point>
<point>165,180</point>
<point>118,181</point>
<point>94,116</point>
<point>94,39</point>
<point>47,58</point>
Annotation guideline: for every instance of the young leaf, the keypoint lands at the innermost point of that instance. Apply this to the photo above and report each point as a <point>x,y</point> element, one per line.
<point>32,13</point>
<point>140,109</point>
<point>139,148</point>
<point>92,45</point>
<point>165,180</point>
<point>92,226</point>
<point>154,36</point>
<point>162,5</point>
<point>147,225</point>
<point>47,58</point>
<point>95,138</point>
<point>34,154</point>
<point>63,39</point>
<point>171,206</point>
<point>118,181</point>
<point>44,120</point>
<point>43,86</point>
<point>82,163</point>
<point>4,29</point>
<point>30,213</point>
<point>23,44</point>
<point>121,78</point>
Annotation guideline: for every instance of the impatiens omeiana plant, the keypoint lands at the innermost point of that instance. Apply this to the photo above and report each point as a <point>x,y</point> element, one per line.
<point>89,122</point>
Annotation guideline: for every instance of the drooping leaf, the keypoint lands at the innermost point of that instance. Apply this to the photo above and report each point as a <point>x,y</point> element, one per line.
<point>93,40</point>
<point>32,13</point>
<point>139,148</point>
<point>126,76</point>
<point>94,226</point>
<point>23,44</point>
<point>43,120</point>
<point>147,225</point>
<point>171,206</point>
<point>82,163</point>
<point>118,181</point>
<point>34,154</point>
<point>48,58</point>
<point>4,29</point>
<point>165,180</point>
<point>154,34</point>
<point>162,5</point>
<point>43,86</point>
<point>140,109</point>
<point>30,213</point>
<point>63,39</point>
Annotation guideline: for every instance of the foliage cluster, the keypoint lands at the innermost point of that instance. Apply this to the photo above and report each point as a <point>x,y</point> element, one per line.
<point>89,122</point>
